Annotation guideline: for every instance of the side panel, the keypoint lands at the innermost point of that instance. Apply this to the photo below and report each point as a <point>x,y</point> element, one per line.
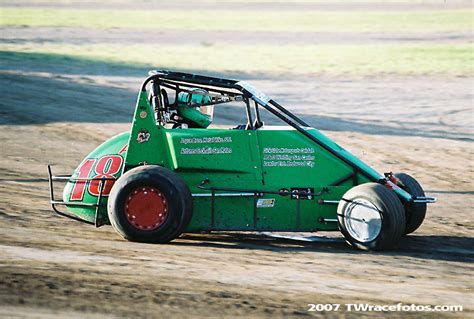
<point>224,158</point>
<point>281,156</point>
<point>292,161</point>
<point>229,156</point>
<point>147,143</point>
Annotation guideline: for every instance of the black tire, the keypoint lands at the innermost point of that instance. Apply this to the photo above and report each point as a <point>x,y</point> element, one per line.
<point>415,212</point>
<point>175,195</point>
<point>383,204</point>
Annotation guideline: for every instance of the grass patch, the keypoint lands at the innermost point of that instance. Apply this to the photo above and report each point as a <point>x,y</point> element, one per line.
<point>358,60</point>
<point>272,21</point>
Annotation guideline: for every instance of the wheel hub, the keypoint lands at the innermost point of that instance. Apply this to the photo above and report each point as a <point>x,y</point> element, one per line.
<point>362,220</point>
<point>146,208</point>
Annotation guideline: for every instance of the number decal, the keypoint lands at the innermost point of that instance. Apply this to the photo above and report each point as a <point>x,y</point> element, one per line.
<point>79,186</point>
<point>106,167</point>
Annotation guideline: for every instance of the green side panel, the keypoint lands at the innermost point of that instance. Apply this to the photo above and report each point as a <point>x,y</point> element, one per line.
<point>290,160</point>
<point>234,213</point>
<point>283,216</point>
<point>147,143</point>
<point>201,219</point>
<point>228,158</point>
<point>225,158</point>
<point>106,160</point>
<point>290,157</point>
<point>269,159</point>
<point>281,155</point>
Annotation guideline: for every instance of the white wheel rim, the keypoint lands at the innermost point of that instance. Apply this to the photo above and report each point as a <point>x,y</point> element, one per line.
<point>362,220</point>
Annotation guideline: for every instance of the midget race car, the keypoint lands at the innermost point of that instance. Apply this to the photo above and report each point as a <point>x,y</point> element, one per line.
<point>175,172</point>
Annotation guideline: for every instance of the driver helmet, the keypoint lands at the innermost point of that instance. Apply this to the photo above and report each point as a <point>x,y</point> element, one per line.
<point>191,109</point>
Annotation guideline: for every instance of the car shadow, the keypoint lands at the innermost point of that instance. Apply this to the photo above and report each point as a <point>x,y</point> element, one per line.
<point>434,247</point>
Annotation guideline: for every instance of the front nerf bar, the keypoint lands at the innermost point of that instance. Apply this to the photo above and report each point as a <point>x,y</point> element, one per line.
<point>68,178</point>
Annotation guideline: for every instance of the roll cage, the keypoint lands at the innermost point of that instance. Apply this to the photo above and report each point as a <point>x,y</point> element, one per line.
<point>225,91</point>
<point>220,91</point>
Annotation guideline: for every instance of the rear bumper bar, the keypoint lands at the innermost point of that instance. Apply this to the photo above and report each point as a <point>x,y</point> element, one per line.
<point>68,178</point>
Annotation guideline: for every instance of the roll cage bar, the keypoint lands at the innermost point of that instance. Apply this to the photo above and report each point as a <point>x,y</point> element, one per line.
<point>235,90</point>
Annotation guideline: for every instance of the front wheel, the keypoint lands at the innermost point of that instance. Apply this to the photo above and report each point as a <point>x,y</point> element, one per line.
<point>371,217</point>
<point>150,204</point>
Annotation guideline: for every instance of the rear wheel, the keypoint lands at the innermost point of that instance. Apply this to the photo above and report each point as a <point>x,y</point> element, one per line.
<point>371,217</point>
<point>150,204</point>
<point>415,212</point>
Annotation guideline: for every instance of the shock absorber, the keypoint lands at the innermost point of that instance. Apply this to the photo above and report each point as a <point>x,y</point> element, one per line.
<point>156,102</point>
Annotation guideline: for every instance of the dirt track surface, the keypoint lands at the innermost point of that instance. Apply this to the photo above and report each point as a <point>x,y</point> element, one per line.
<point>55,113</point>
<point>56,265</point>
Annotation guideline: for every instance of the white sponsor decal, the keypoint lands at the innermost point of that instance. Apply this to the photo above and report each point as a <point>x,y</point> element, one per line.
<point>284,150</point>
<point>200,140</point>
<point>288,157</point>
<point>265,202</point>
<point>206,150</point>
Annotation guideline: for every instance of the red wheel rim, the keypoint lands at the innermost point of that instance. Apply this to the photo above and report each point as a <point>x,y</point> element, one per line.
<point>146,208</point>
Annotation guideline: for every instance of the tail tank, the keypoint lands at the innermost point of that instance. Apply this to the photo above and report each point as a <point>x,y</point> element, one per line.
<point>103,165</point>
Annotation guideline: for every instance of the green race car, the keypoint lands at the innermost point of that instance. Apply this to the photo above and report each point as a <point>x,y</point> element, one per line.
<point>175,173</point>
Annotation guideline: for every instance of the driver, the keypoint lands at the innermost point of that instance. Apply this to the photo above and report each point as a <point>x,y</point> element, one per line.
<point>193,109</point>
